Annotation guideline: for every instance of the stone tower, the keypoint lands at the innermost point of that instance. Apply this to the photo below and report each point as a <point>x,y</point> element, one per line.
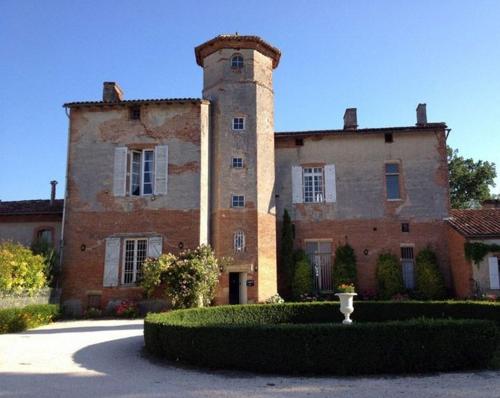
<point>237,73</point>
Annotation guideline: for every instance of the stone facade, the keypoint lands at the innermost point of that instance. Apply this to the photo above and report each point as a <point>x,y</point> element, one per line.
<point>207,153</point>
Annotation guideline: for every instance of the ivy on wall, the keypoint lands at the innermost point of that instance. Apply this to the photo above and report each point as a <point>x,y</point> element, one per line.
<point>476,251</point>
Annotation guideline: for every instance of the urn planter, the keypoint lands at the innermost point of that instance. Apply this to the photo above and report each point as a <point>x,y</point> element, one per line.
<point>346,306</point>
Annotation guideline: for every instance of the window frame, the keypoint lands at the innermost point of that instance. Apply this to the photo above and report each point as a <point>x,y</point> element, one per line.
<point>135,112</point>
<point>239,236</point>
<point>237,198</point>
<point>237,62</point>
<point>135,271</point>
<point>392,174</point>
<point>243,123</point>
<point>234,160</point>
<point>315,191</point>
<point>408,247</point>
<point>142,154</point>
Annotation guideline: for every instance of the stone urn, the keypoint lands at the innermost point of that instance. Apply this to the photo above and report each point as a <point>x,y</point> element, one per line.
<point>346,306</point>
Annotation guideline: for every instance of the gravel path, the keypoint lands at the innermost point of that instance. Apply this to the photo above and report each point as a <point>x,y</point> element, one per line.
<point>104,359</point>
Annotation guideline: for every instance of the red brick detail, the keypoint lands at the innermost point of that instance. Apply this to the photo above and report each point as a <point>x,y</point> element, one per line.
<point>461,268</point>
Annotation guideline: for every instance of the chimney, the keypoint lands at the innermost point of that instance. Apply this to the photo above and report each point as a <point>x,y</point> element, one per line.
<point>421,115</point>
<point>111,92</point>
<point>53,192</point>
<point>350,119</point>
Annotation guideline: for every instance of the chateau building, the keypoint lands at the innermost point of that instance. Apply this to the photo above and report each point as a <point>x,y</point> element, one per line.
<point>153,176</point>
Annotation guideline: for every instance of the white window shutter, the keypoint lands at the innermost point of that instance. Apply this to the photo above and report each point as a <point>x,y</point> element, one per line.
<point>155,246</point>
<point>161,169</point>
<point>111,262</point>
<point>120,171</point>
<point>494,277</point>
<point>297,184</point>
<point>330,185</point>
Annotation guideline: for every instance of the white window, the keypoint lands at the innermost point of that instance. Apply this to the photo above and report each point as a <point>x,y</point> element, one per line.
<point>135,252</point>
<point>494,268</point>
<point>313,185</point>
<point>239,242</point>
<point>408,267</point>
<point>238,123</point>
<point>142,172</point>
<point>237,201</point>
<point>237,62</point>
<point>392,181</point>
<point>237,163</point>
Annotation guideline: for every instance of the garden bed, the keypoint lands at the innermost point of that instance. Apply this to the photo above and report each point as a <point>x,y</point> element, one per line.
<point>308,338</point>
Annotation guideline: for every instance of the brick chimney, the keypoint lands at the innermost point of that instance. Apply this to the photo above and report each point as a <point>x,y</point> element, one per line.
<point>53,192</point>
<point>350,119</point>
<point>421,115</point>
<point>111,92</point>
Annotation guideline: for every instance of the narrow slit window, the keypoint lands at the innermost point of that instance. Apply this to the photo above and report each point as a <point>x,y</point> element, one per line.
<point>408,267</point>
<point>239,242</point>
<point>237,62</point>
<point>238,123</point>
<point>392,181</point>
<point>237,163</point>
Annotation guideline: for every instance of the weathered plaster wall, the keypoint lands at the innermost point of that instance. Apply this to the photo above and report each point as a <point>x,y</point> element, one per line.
<point>24,232</point>
<point>481,272</point>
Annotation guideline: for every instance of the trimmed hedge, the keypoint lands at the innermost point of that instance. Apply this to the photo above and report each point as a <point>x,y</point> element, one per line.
<point>19,319</point>
<point>301,338</point>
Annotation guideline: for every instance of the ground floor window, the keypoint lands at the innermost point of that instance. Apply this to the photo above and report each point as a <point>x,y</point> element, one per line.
<point>135,252</point>
<point>408,267</point>
<point>320,258</point>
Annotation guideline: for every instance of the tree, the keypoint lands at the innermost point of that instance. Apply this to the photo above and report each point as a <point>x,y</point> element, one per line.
<point>302,277</point>
<point>429,280</point>
<point>344,265</point>
<point>469,180</point>
<point>389,277</point>
<point>286,253</point>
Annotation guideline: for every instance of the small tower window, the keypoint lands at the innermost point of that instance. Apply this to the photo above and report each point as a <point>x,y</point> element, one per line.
<point>239,242</point>
<point>238,123</point>
<point>237,62</point>
<point>237,163</point>
<point>135,113</point>
<point>237,201</point>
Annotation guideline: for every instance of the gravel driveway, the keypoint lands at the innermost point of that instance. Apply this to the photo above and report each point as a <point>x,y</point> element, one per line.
<point>104,359</point>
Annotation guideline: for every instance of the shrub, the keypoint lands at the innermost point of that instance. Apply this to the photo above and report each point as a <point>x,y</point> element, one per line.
<point>50,258</point>
<point>299,337</point>
<point>428,279</point>
<point>287,263</point>
<point>276,299</point>
<point>18,319</point>
<point>127,309</point>
<point>302,278</point>
<point>20,270</point>
<point>344,265</point>
<point>189,279</point>
<point>389,277</point>
<point>92,313</point>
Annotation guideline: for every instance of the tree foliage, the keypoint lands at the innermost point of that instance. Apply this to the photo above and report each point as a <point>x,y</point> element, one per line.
<point>286,253</point>
<point>429,281</point>
<point>469,180</point>
<point>389,277</point>
<point>189,279</point>
<point>302,278</point>
<point>344,265</point>
<point>21,271</point>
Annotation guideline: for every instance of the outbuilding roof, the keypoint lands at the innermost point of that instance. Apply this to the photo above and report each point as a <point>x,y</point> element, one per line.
<point>138,102</point>
<point>32,207</point>
<point>476,223</point>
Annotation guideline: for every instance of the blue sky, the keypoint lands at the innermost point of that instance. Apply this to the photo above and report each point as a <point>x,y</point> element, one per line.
<point>383,57</point>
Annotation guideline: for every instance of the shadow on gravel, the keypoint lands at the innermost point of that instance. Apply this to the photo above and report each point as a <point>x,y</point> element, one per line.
<point>84,329</point>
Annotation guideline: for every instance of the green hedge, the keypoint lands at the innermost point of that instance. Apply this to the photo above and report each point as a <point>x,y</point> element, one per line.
<point>19,319</point>
<point>301,338</point>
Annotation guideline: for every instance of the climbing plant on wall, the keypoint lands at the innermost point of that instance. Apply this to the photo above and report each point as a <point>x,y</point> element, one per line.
<point>476,251</point>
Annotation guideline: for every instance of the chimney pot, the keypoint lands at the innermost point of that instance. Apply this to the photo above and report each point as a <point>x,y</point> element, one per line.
<point>421,115</point>
<point>350,119</point>
<point>53,192</point>
<point>112,92</point>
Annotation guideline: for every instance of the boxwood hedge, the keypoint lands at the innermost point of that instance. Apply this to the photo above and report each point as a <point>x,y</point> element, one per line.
<point>308,338</point>
<point>18,319</point>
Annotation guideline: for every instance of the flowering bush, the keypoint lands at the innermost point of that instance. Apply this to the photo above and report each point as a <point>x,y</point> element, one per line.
<point>190,279</point>
<point>127,309</point>
<point>92,313</point>
<point>345,288</point>
<point>20,270</point>
<point>276,299</point>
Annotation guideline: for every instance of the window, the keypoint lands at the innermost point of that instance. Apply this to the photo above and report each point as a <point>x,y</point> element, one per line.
<point>392,180</point>
<point>320,258</point>
<point>45,235</point>
<point>237,201</point>
<point>239,242</point>
<point>313,184</point>
<point>408,267</point>
<point>237,163</point>
<point>405,227</point>
<point>238,123</point>
<point>135,113</point>
<point>388,138</point>
<point>237,62</point>
<point>141,172</point>
<point>134,255</point>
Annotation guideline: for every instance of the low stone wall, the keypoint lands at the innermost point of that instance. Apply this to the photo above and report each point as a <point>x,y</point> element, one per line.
<point>44,296</point>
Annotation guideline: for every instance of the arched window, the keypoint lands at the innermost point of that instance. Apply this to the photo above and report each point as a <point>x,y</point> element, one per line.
<point>237,61</point>
<point>239,242</point>
<point>45,235</point>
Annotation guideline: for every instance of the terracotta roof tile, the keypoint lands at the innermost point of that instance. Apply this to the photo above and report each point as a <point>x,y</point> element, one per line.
<point>138,102</point>
<point>39,206</point>
<point>476,223</point>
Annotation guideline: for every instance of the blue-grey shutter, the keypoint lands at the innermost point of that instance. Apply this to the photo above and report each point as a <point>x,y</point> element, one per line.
<point>155,246</point>
<point>161,169</point>
<point>297,184</point>
<point>120,171</point>
<point>330,185</point>
<point>111,262</point>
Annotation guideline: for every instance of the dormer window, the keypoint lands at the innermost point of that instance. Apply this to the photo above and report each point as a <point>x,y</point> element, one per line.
<point>237,62</point>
